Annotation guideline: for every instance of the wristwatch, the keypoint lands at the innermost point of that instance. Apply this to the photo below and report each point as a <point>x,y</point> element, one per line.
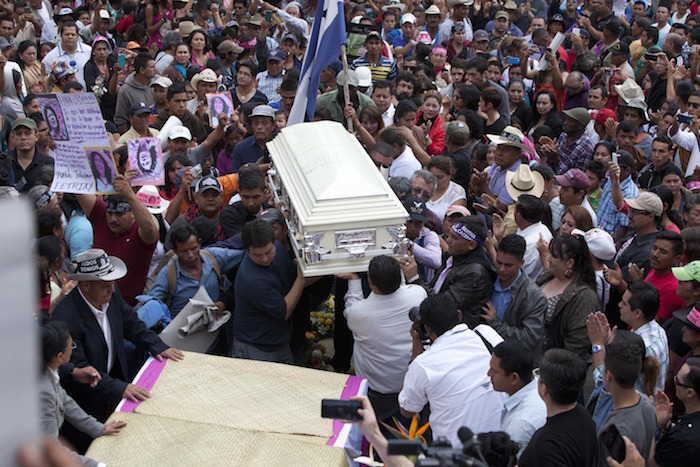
<point>597,348</point>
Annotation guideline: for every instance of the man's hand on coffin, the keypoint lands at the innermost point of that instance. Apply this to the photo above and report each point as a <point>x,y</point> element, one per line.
<point>170,353</point>
<point>135,393</point>
<point>348,276</point>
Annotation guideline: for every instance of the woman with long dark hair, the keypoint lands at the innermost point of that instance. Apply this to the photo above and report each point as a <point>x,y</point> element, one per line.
<point>569,285</point>
<point>101,78</point>
<point>32,70</point>
<point>101,171</point>
<point>518,107</point>
<point>200,49</point>
<point>545,113</point>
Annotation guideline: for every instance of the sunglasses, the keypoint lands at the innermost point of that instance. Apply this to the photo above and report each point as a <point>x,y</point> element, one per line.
<point>678,383</point>
<point>695,105</point>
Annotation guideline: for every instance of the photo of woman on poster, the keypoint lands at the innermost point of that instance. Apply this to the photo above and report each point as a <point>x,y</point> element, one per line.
<point>102,170</point>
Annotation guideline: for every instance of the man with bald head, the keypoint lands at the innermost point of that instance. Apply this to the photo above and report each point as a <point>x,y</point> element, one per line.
<point>576,91</point>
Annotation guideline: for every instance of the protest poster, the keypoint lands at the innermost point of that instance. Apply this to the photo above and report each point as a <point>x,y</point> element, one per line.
<point>102,167</point>
<point>84,162</point>
<point>356,34</point>
<point>219,103</point>
<point>146,157</point>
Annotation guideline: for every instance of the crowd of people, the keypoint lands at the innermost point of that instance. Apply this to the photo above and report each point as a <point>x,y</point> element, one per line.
<point>548,157</point>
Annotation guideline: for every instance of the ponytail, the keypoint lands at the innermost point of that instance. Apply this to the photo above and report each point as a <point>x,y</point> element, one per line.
<point>650,373</point>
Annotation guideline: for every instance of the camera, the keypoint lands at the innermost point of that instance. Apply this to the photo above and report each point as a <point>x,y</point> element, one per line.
<point>196,171</point>
<point>441,453</point>
<point>414,315</point>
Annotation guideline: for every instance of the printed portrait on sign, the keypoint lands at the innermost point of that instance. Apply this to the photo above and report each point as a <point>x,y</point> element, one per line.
<point>53,116</point>
<point>102,167</point>
<point>146,157</point>
<point>219,103</point>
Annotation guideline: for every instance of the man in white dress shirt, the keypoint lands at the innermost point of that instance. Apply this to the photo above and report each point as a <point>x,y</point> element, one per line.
<point>451,375</point>
<point>524,412</point>
<point>381,329</point>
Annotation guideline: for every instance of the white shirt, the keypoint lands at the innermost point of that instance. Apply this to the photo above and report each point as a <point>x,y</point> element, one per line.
<point>81,56</point>
<point>388,115</point>
<point>103,321</point>
<point>687,140</point>
<point>523,413</point>
<point>454,193</point>
<point>533,266</point>
<point>382,332</point>
<point>405,164</point>
<point>452,376</point>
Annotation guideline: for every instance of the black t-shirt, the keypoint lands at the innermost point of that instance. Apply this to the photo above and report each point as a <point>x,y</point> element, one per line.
<point>26,178</point>
<point>235,216</point>
<point>657,92</point>
<point>462,159</point>
<point>568,439</point>
<point>496,127</point>
<point>679,447</point>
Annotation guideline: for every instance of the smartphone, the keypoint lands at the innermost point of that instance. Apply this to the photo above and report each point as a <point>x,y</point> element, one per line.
<point>614,157</point>
<point>340,410</point>
<point>684,119</point>
<point>27,9</point>
<point>122,60</point>
<point>268,15</point>
<point>650,57</point>
<point>612,439</point>
<point>513,61</point>
<point>576,31</point>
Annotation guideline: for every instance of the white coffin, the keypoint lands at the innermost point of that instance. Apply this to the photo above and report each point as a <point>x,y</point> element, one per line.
<point>341,210</point>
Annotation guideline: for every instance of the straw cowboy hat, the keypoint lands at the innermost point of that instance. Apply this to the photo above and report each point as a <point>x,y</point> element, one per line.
<point>524,182</point>
<point>510,136</point>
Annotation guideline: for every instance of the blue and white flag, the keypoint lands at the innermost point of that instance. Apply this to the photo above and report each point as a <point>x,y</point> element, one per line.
<point>327,36</point>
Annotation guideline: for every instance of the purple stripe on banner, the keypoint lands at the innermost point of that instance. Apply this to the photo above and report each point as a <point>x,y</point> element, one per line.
<point>352,387</point>
<point>147,380</point>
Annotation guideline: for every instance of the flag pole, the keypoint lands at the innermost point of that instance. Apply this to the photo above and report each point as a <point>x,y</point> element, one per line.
<point>346,88</point>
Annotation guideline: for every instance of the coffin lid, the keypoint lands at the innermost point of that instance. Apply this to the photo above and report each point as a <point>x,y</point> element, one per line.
<point>330,178</point>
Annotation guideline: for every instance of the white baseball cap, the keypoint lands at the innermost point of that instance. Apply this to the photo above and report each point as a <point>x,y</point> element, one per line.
<point>180,132</point>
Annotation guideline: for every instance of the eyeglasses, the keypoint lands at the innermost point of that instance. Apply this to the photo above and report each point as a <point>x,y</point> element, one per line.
<point>695,105</point>
<point>678,383</point>
<point>409,68</point>
<point>420,192</point>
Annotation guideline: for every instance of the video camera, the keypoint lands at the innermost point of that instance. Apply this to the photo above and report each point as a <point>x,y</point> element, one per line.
<point>414,315</point>
<point>441,453</point>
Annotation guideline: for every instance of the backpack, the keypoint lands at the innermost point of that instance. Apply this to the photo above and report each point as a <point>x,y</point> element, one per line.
<point>172,272</point>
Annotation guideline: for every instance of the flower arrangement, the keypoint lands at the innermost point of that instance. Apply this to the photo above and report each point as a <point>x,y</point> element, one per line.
<point>99,89</point>
<point>323,319</point>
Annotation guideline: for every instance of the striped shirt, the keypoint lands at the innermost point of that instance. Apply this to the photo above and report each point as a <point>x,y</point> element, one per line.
<point>382,69</point>
<point>268,85</point>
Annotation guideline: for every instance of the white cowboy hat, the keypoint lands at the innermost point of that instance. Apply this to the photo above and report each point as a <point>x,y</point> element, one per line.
<point>394,4</point>
<point>150,197</point>
<point>95,265</point>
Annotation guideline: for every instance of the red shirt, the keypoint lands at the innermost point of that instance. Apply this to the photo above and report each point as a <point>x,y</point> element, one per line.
<point>128,247</point>
<point>669,301</point>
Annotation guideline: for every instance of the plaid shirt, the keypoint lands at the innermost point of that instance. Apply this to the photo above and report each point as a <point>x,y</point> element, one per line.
<point>574,155</point>
<point>609,218</point>
<point>656,342</point>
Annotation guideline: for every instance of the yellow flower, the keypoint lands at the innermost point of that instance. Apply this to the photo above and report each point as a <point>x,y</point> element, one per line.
<point>312,314</point>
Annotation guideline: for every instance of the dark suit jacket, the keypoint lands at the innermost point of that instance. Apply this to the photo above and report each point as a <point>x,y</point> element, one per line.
<point>91,349</point>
